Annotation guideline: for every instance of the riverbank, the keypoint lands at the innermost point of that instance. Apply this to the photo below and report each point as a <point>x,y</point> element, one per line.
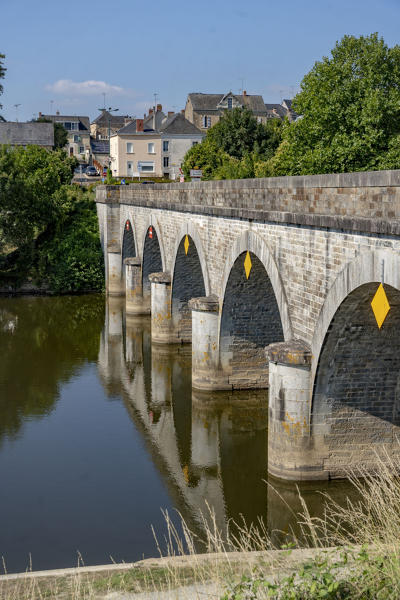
<point>192,576</point>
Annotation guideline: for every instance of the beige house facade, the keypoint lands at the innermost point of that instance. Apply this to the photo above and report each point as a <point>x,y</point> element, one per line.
<point>138,149</point>
<point>135,153</point>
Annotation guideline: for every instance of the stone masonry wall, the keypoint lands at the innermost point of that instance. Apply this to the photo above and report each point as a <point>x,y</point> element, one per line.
<point>308,259</point>
<point>314,233</point>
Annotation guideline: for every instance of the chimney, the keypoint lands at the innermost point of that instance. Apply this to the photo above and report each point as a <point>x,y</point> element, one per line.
<point>183,112</point>
<point>159,107</point>
<point>40,114</point>
<point>150,111</point>
<point>170,113</point>
<point>244,93</point>
<point>139,124</point>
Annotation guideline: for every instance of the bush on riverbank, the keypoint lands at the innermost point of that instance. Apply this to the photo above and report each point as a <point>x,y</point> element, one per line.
<point>48,229</point>
<point>70,258</point>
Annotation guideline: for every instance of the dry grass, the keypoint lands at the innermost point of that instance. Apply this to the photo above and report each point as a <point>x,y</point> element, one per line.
<point>367,528</point>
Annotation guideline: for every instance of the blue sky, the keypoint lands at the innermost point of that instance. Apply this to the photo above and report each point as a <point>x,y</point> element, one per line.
<point>71,52</point>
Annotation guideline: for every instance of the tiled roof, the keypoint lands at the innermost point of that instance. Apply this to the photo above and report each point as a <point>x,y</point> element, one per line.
<point>100,146</point>
<point>209,102</point>
<point>24,134</point>
<point>84,122</point>
<point>114,119</point>
<point>177,124</point>
<point>276,108</point>
<point>130,128</point>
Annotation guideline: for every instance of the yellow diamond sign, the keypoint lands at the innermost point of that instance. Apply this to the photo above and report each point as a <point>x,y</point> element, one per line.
<point>380,305</point>
<point>186,244</point>
<point>247,264</point>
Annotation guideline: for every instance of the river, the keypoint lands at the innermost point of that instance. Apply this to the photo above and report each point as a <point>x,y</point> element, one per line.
<point>100,434</point>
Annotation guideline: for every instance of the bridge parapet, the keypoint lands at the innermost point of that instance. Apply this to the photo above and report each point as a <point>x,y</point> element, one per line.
<point>368,201</point>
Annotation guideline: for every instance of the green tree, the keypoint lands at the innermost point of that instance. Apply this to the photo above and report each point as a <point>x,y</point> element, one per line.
<point>350,112</point>
<point>234,145</point>
<point>60,133</point>
<point>69,255</point>
<point>2,73</point>
<point>29,180</point>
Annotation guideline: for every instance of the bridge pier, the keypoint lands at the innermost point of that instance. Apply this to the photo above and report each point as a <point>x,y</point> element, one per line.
<point>135,303</point>
<point>161,321</point>
<point>291,455</point>
<point>206,374</point>
<point>114,283</point>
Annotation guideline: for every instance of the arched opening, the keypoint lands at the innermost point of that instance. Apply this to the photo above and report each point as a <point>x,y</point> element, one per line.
<point>188,282</point>
<point>128,243</point>
<point>152,262</point>
<point>356,396</point>
<point>250,322</point>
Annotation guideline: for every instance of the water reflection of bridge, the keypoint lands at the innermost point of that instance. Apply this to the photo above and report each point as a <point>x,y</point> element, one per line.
<point>210,448</point>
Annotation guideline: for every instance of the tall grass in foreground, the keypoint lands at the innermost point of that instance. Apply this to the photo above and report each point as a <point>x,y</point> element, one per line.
<point>352,551</point>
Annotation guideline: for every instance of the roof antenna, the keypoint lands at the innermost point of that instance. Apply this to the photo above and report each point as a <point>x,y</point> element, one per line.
<point>16,111</point>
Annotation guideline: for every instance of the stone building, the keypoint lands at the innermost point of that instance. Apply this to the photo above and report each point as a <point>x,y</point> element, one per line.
<point>204,110</point>
<point>78,130</point>
<point>27,134</point>
<point>108,122</point>
<point>280,111</point>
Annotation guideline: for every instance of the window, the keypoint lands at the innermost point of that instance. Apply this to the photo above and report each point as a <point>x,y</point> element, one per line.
<point>194,143</point>
<point>150,148</point>
<point>206,122</point>
<point>166,161</point>
<point>81,149</point>
<point>76,139</point>
<point>230,103</point>
<point>70,126</point>
<point>146,167</point>
<point>165,146</point>
<point>129,148</point>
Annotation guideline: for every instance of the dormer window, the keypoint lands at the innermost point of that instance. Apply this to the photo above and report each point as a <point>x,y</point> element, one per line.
<point>230,103</point>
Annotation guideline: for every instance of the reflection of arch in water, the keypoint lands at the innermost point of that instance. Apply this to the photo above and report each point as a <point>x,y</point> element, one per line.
<point>152,260</point>
<point>356,403</point>
<point>190,280</point>
<point>229,444</point>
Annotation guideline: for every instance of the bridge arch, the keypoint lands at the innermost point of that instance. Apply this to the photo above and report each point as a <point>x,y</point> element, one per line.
<point>365,268</point>
<point>254,310</point>
<point>128,237</point>
<point>189,279</point>
<point>355,408</point>
<point>153,256</point>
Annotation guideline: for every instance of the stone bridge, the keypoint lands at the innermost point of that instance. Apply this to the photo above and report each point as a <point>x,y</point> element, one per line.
<point>271,280</point>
